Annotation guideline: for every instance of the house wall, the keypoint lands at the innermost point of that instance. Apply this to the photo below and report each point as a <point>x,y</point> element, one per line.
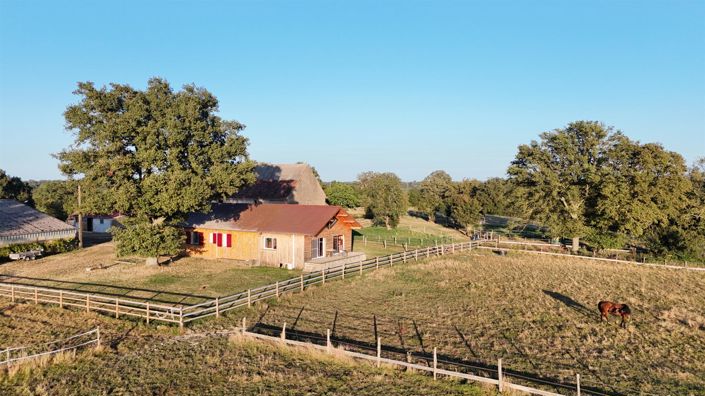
<point>245,245</point>
<point>98,227</point>
<point>338,229</point>
<point>289,250</point>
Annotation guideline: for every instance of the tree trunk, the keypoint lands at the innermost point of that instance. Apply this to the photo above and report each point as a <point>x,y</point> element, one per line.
<point>576,244</point>
<point>152,261</point>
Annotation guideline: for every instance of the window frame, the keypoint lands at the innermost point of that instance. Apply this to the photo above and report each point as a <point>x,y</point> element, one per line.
<point>273,243</point>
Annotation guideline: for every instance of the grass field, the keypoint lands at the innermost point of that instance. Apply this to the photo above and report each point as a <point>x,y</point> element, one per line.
<point>187,280</point>
<point>537,313</point>
<point>140,360</point>
<point>412,232</point>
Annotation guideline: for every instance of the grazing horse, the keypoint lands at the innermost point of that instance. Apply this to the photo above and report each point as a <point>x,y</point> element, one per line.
<point>608,307</point>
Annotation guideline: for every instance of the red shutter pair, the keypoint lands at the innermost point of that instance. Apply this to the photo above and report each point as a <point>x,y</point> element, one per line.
<point>220,240</point>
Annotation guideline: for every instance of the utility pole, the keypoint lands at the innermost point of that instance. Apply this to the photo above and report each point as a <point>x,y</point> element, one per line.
<point>80,219</point>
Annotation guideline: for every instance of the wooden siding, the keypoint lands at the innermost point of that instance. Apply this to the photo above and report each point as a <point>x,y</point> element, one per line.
<point>244,245</point>
<point>338,228</point>
<point>289,250</point>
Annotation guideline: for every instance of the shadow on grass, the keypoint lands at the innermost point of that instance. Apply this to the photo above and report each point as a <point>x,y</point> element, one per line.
<point>570,303</point>
<point>158,296</point>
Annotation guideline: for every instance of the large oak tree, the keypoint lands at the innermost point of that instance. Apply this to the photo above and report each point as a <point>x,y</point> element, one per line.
<point>152,154</point>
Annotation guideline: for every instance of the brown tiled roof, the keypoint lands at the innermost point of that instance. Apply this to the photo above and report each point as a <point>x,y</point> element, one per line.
<point>277,218</point>
<point>290,183</point>
<point>19,219</point>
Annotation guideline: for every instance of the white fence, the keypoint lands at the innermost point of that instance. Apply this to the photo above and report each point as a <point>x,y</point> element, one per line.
<point>15,355</point>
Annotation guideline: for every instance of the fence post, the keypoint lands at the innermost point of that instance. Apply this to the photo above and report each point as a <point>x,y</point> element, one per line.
<point>404,257</point>
<point>283,334</point>
<point>277,289</point>
<point>249,297</point>
<point>499,374</point>
<point>12,289</point>
<point>344,270</point>
<point>181,319</point>
<point>452,248</point>
<point>88,302</point>
<point>302,282</point>
<point>323,274</point>
<point>117,308</point>
<point>416,255</point>
<point>435,363</point>
<point>377,262</point>
<point>428,251</point>
<point>391,260</point>
<point>379,351</point>
<point>385,243</point>
<point>97,329</point>
<point>36,298</point>
<point>328,344</point>
<point>147,312</point>
<point>360,267</point>
<point>217,306</point>
<point>577,379</point>
<point>61,299</point>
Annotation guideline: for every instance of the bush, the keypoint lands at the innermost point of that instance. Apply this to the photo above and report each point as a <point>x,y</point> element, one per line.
<point>49,247</point>
<point>147,240</point>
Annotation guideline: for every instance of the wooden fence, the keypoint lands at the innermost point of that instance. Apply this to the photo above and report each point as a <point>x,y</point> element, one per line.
<point>22,354</point>
<point>501,381</point>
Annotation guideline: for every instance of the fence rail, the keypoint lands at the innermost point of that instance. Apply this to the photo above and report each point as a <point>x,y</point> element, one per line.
<point>25,353</point>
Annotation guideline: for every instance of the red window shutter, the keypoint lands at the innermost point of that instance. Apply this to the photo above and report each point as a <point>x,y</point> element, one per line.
<point>228,240</point>
<point>219,238</point>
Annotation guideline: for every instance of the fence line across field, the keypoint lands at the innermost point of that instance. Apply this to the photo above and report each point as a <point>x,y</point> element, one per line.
<point>501,381</point>
<point>21,354</point>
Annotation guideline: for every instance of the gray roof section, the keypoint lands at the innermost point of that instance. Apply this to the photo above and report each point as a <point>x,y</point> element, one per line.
<point>19,219</point>
<point>284,183</point>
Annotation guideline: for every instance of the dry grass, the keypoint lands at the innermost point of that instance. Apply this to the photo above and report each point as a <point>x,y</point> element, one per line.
<point>187,280</point>
<point>537,313</point>
<point>140,360</point>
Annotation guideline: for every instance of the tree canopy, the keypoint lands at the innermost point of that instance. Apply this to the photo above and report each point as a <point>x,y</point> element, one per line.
<point>153,154</point>
<point>12,187</point>
<point>434,192</point>
<point>586,180</point>
<point>345,195</point>
<point>383,197</point>
<point>56,198</point>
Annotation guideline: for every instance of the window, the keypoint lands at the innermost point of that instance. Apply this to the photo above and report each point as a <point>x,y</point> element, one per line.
<point>270,243</point>
<point>318,247</point>
<point>101,221</point>
<point>338,243</point>
<point>221,240</point>
<point>194,238</point>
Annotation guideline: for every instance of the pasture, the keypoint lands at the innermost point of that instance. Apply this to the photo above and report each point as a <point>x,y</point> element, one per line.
<point>139,359</point>
<point>187,280</point>
<point>539,314</point>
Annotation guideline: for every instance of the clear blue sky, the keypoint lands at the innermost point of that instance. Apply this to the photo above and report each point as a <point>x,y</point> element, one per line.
<point>401,86</point>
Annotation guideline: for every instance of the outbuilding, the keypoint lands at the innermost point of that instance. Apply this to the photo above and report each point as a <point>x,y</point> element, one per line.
<point>22,224</point>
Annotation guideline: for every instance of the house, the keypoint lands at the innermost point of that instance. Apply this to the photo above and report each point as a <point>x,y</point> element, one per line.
<point>20,224</point>
<point>94,223</point>
<point>272,234</point>
<point>282,183</point>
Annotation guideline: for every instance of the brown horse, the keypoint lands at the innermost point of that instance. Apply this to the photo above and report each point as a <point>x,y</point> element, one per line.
<point>608,307</point>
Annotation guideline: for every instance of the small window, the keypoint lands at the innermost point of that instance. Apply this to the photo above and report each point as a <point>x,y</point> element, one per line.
<point>101,221</point>
<point>270,243</point>
<point>194,238</point>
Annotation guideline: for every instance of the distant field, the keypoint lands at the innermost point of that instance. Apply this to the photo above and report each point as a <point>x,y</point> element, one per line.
<point>187,280</point>
<point>140,360</point>
<point>537,313</point>
<point>411,233</point>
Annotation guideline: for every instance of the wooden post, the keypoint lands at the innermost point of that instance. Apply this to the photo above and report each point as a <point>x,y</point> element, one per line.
<point>328,344</point>
<point>360,267</point>
<point>452,248</point>
<point>244,324</point>
<point>61,299</point>
<point>88,302</point>
<point>385,243</point>
<point>395,239</point>
<point>344,270</point>
<point>97,329</point>
<point>249,297</point>
<point>377,262</point>
<point>36,298</point>
<point>277,289</point>
<point>499,374</point>
<point>416,255</point>
<point>364,240</point>
<point>283,334</point>
<point>117,308</point>
<point>302,282</point>
<point>428,251</point>
<point>80,219</point>
<point>435,363</point>
<point>391,261</point>
<point>577,381</point>
<point>181,319</point>
<point>323,274</point>
<point>12,289</point>
<point>147,312</point>
<point>379,351</point>
<point>217,303</point>
<point>404,257</point>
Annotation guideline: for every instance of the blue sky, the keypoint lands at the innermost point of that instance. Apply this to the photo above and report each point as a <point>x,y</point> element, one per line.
<point>401,86</point>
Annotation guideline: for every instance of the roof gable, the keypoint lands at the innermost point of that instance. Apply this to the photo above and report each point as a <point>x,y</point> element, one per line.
<point>290,183</point>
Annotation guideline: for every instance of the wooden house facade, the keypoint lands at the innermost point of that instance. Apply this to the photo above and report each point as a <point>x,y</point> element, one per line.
<point>270,234</point>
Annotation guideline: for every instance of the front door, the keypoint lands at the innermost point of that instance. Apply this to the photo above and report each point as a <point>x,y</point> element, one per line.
<point>89,224</point>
